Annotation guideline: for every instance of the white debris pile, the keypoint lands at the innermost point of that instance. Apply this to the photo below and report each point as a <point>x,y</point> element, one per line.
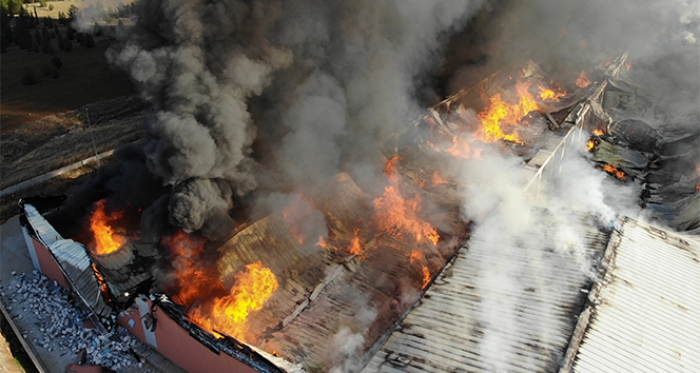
<point>59,324</point>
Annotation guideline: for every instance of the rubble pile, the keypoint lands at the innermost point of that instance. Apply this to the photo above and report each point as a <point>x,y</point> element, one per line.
<point>58,324</point>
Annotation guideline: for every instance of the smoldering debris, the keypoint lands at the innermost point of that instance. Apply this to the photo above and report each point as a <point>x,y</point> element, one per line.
<point>58,325</point>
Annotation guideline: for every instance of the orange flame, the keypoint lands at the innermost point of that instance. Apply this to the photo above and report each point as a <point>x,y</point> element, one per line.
<point>460,148</point>
<point>551,94</point>
<point>396,215</point>
<point>437,179</point>
<point>598,132</point>
<point>614,171</point>
<point>194,280</point>
<point>355,247</point>
<point>229,314</point>
<point>590,145</point>
<point>583,81</point>
<point>426,277</point>
<point>322,243</point>
<point>499,114</point>
<point>416,256</point>
<point>106,241</point>
<point>390,166</point>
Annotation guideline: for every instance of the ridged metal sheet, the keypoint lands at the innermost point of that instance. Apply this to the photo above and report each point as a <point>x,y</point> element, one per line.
<point>45,232</point>
<point>646,312</point>
<point>531,315</point>
<point>73,259</point>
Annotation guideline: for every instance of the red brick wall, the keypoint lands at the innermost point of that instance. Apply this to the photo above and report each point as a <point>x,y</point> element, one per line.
<point>48,264</point>
<point>178,346</point>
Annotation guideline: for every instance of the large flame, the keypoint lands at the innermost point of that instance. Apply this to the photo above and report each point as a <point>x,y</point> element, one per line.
<point>398,216</point>
<point>500,114</point>
<point>229,314</point>
<point>106,240</point>
<point>195,280</point>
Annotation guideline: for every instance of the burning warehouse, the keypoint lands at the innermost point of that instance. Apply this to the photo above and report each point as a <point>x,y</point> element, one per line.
<point>294,209</point>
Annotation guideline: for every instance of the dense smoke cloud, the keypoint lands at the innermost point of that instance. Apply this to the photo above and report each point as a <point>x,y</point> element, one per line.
<point>568,36</point>
<point>275,97</point>
<point>197,63</point>
<point>336,80</point>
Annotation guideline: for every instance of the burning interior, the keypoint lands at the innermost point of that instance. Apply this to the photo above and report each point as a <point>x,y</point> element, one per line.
<point>322,268</point>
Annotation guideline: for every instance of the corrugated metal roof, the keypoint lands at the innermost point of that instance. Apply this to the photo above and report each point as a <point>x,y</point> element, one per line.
<point>645,313</point>
<point>524,311</point>
<point>45,232</point>
<point>73,259</point>
<point>325,292</point>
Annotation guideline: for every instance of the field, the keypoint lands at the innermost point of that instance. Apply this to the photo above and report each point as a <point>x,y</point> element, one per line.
<point>44,126</point>
<point>85,77</point>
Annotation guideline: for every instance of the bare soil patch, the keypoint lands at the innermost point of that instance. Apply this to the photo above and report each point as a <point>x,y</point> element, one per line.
<point>85,76</point>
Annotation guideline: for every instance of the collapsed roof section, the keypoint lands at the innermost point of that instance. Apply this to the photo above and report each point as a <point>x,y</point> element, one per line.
<point>327,294</point>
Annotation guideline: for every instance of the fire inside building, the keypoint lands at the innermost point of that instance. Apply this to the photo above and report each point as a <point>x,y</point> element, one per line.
<point>403,286</point>
<point>543,218</point>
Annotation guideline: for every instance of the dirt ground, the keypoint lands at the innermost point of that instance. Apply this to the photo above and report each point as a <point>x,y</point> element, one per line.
<point>85,76</point>
<point>59,140</point>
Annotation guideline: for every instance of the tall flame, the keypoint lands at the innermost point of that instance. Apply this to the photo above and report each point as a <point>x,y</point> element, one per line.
<point>355,247</point>
<point>106,240</point>
<point>499,114</point>
<point>398,216</point>
<point>426,277</point>
<point>229,314</point>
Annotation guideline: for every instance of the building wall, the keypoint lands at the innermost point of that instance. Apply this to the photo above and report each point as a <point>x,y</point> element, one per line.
<point>47,264</point>
<point>176,344</point>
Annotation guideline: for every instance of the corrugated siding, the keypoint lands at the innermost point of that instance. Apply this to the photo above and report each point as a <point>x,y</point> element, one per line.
<point>45,232</point>
<point>445,332</point>
<point>646,313</point>
<point>73,259</point>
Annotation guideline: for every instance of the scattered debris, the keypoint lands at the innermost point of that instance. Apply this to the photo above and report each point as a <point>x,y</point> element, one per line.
<point>59,325</point>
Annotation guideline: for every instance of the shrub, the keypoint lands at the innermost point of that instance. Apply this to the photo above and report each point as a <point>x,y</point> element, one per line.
<point>51,7</point>
<point>28,77</point>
